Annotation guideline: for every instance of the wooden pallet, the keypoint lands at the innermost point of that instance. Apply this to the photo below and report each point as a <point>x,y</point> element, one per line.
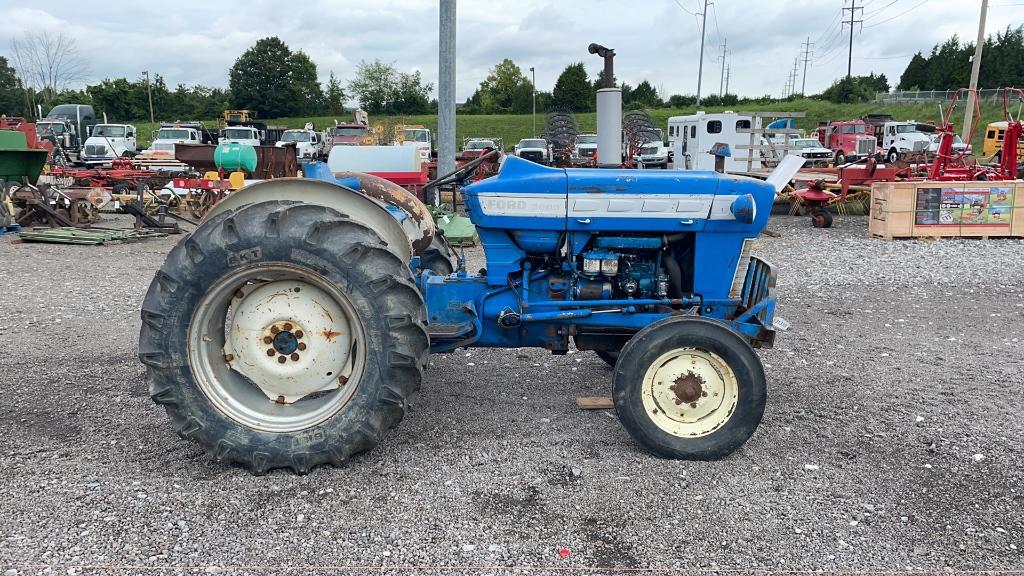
<point>940,209</point>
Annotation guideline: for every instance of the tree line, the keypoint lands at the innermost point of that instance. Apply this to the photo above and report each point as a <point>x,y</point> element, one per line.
<point>948,66</point>
<point>275,82</point>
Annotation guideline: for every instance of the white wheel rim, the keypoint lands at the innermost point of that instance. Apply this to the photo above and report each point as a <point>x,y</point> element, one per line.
<point>276,347</point>
<point>689,392</point>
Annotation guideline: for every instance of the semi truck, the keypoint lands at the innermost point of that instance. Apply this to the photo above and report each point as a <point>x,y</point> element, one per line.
<point>849,140</point>
<point>109,141</point>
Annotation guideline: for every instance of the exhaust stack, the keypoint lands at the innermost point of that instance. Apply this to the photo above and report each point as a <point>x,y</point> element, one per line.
<point>609,112</point>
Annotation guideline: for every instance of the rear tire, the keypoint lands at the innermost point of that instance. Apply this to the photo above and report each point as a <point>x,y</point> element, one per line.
<point>231,416</point>
<point>706,413</point>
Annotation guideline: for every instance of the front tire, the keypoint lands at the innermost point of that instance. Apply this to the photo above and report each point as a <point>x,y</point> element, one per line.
<point>821,218</point>
<point>245,363</point>
<point>689,388</point>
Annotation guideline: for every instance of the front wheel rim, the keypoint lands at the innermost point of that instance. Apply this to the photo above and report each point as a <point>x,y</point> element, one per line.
<point>689,392</point>
<point>276,347</point>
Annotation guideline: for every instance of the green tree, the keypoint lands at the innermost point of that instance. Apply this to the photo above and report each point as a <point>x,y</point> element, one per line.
<point>334,96</point>
<point>261,79</point>
<point>411,95</point>
<point>644,95</point>
<point>506,90</point>
<point>374,85</point>
<point>381,89</point>
<point>916,74</point>
<point>573,90</point>
<point>12,93</point>
<point>304,85</point>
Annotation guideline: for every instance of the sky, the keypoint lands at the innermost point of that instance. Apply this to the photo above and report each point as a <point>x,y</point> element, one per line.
<point>196,41</point>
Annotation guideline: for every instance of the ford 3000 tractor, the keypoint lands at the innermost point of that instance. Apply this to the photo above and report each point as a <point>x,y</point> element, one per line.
<point>291,327</point>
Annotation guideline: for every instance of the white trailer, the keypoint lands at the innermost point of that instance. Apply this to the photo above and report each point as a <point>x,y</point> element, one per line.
<point>691,137</point>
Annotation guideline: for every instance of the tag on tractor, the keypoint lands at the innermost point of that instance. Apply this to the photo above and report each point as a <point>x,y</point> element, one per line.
<point>780,324</point>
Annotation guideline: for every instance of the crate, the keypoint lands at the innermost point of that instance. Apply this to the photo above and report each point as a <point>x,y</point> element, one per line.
<point>936,209</point>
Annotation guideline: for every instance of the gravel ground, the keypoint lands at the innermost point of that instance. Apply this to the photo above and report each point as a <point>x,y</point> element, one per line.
<point>892,439</point>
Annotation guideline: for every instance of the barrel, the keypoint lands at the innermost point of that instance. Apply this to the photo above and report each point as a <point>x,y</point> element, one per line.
<point>231,157</point>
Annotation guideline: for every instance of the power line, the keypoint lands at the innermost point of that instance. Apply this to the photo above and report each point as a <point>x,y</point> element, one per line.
<point>853,9</point>
<point>879,11</point>
<point>915,6</point>
<point>683,8</point>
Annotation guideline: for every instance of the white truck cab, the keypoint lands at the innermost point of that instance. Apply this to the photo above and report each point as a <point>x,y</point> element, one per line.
<point>534,149</point>
<point>169,135</point>
<point>653,153</point>
<point>419,138</point>
<point>959,146</point>
<point>584,149</point>
<point>309,144</point>
<point>691,137</point>
<point>240,135</point>
<point>108,141</point>
<point>904,138</point>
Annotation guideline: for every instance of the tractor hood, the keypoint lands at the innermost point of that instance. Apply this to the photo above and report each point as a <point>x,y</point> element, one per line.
<point>527,196</point>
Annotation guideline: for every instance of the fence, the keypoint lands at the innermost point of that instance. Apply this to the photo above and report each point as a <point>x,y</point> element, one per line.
<point>921,96</point>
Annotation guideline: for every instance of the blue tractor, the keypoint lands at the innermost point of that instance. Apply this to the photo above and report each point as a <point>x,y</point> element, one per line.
<point>292,326</point>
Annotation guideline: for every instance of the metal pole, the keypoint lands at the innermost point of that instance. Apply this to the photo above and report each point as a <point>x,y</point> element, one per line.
<point>533,73</point>
<point>853,10</point>
<point>807,54</point>
<point>446,89</point>
<point>728,72</point>
<point>975,70</point>
<point>700,66</point>
<point>721,81</point>
<point>149,90</point>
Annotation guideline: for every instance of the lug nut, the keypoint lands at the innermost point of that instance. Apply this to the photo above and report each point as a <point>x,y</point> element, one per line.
<point>302,345</point>
<point>281,359</point>
<point>267,339</point>
<point>299,334</point>
<point>270,352</point>
<point>274,329</point>
<point>287,326</point>
<point>294,357</point>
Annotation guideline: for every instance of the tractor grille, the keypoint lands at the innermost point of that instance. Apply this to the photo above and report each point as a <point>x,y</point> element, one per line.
<point>532,155</point>
<point>95,150</point>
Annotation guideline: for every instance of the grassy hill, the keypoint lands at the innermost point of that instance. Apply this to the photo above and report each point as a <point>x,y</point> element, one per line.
<point>512,127</point>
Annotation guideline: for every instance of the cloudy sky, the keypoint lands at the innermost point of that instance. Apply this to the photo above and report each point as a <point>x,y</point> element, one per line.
<point>196,41</point>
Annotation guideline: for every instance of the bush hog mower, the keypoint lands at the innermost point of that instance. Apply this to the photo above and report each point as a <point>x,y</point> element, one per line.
<point>291,327</point>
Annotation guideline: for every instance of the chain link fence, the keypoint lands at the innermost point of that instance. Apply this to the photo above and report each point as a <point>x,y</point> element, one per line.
<point>922,96</point>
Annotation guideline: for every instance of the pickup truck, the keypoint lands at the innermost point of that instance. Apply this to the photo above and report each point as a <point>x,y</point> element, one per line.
<point>584,148</point>
<point>534,149</point>
<point>653,153</point>
<point>109,141</point>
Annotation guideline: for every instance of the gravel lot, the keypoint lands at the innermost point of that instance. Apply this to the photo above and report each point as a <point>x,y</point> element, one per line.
<point>892,439</point>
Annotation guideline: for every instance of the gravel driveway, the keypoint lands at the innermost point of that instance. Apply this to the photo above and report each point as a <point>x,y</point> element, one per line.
<point>892,439</point>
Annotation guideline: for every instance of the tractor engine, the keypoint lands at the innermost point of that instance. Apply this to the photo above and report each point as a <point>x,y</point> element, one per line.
<point>583,252</point>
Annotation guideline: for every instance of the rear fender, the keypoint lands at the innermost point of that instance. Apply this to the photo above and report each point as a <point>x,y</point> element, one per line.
<point>345,200</point>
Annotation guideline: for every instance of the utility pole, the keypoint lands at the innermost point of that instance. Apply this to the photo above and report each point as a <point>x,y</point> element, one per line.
<point>807,56</point>
<point>796,64</point>
<point>149,90</point>
<point>728,73</point>
<point>975,69</point>
<point>721,81</point>
<point>446,91</point>
<point>852,8</point>
<point>700,66</point>
<point>534,74</point>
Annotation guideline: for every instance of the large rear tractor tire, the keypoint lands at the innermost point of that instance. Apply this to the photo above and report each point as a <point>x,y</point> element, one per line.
<point>689,388</point>
<point>283,335</point>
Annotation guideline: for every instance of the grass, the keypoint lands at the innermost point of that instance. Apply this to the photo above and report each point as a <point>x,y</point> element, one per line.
<point>513,127</point>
